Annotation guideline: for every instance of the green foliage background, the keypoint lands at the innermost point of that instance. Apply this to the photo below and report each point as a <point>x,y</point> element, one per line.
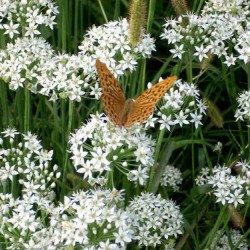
<point>187,149</point>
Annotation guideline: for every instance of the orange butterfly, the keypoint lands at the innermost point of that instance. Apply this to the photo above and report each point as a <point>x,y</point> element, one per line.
<point>125,113</point>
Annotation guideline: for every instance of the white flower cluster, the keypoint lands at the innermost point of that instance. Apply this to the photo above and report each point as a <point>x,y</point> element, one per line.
<point>243,110</point>
<point>222,29</point>
<point>99,148</point>
<point>156,220</point>
<point>182,106</point>
<point>92,220</point>
<point>110,42</point>
<point>32,63</point>
<point>222,241</point>
<point>227,188</point>
<point>27,160</point>
<point>20,223</point>
<point>24,17</point>
<point>171,178</point>
<point>20,62</point>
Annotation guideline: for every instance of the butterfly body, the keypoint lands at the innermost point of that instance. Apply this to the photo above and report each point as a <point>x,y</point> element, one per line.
<point>125,113</point>
<point>128,106</point>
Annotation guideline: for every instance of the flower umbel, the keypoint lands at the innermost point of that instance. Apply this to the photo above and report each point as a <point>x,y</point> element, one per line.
<point>221,28</point>
<point>155,220</point>
<point>227,188</point>
<point>99,147</point>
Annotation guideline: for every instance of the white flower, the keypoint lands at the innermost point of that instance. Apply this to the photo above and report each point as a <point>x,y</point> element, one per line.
<point>236,197</point>
<point>8,172</point>
<point>218,147</point>
<point>10,132</point>
<point>230,60</point>
<point>140,175</point>
<point>196,119</point>
<point>180,119</point>
<point>11,29</point>
<point>222,195</point>
<point>177,51</point>
<point>201,52</point>
<point>243,110</point>
<point>166,122</point>
<point>99,160</point>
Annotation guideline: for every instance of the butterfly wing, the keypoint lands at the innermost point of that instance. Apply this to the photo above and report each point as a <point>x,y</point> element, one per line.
<point>145,104</point>
<point>113,98</point>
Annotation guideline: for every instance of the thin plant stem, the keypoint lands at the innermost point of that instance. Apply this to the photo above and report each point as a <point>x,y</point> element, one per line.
<point>103,11</point>
<point>66,136</point>
<point>220,220</point>
<point>158,171</point>
<point>248,127</point>
<point>203,205</point>
<point>158,144</point>
<point>4,104</point>
<point>26,110</point>
<point>151,12</point>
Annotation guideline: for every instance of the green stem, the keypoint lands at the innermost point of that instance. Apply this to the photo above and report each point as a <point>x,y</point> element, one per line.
<point>64,19</point>
<point>248,122</point>
<point>190,68</point>
<point>220,220</point>
<point>157,172</point>
<point>208,159</point>
<point>76,27</point>
<point>157,152</point>
<point>190,227</point>
<point>4,105</point>
<point>26,110</point>
<point>65,139</point>
<point>151,12</point>
<point>158,144</point>
<point>103,11</point>
<point>142,77</point>
<point>117,9</point>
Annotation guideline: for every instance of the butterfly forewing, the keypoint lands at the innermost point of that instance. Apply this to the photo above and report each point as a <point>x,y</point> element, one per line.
<point>112,98</point>
<point>144,105</point>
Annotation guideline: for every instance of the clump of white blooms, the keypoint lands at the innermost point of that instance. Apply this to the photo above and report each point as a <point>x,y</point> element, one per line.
<point>90,220</point>
<point>25,17</point>
<point>31,62</point>
<point>156,220</point>
<point>110,43</point>
<point>222,29</point>
<point>181,106</point>
<point>20,62</point>
<point>227,188</point>
<point>100,148</point>
<point>21,225</point>
<point>243,110</point>
<point>22,158</point>
<point>171,178</point>
<point>224,241</point>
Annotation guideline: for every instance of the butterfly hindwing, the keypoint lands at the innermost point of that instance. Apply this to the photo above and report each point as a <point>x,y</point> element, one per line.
<point>144,105</point>
<point>113,98</point>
